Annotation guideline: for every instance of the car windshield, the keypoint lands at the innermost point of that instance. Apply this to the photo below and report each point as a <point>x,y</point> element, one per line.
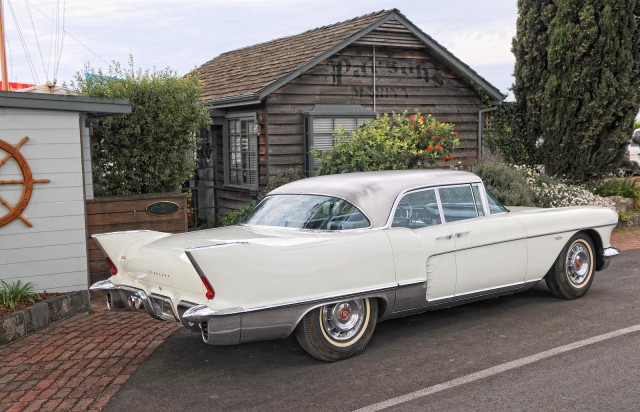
<point>307,212</point>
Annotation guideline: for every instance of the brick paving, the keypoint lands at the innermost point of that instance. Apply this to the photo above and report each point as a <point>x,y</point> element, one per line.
<point>80,363</point>
<point>626,239</point>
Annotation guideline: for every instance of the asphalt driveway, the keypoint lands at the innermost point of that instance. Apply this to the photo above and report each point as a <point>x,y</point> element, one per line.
<point>413,355</point>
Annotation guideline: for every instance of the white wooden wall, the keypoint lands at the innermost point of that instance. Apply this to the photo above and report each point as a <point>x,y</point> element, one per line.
<point>52,254</point>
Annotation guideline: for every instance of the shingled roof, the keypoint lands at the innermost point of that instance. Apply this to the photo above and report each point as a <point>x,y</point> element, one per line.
<point>247,75</point>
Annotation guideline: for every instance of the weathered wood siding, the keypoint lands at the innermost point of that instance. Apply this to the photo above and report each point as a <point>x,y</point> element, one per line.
<point>53,253</point>
<point>114,214</point>
<point>407,78</point>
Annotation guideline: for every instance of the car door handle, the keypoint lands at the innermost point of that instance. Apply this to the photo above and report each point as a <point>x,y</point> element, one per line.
<point>460,234</point>
<point>444,237</point>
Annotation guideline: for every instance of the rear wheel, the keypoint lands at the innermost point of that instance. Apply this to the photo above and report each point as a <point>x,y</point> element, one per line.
<point>339,330</point>
<point>572,273</point>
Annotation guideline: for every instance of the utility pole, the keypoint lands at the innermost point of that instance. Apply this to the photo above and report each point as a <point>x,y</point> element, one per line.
<point>3,53</point>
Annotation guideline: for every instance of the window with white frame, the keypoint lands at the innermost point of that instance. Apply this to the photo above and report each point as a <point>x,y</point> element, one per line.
<point>241,152</point>
<point>321,122</point>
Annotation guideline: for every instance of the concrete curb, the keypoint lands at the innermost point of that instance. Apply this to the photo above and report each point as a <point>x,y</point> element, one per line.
<point>23,322</point>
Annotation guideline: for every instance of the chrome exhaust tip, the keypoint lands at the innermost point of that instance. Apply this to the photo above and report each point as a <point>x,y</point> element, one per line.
<point>134,302</point>
<point>204,330</point>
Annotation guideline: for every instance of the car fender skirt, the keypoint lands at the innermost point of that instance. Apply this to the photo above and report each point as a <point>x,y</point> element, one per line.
<point>237,325</point>
<point>224,328</point>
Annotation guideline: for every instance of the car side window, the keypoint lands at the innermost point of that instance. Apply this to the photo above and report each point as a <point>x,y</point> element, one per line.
<point>458,203</point>
<point>495,207</point>
<point>478,200</point>
<point>417,209</point>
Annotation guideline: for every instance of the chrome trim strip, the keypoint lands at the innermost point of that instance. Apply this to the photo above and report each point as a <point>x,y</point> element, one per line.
<point>103,285</point>
<point>441,298</point>
<point>198,313</point>
<point>227,244</point>
<point>325,299</point>
<point>509,285</point>
<point>413,282</point>
<point>527,237</point>
<point>97,235</point>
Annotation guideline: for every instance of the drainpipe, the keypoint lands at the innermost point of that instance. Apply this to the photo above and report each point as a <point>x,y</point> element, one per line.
<point>481,112</point>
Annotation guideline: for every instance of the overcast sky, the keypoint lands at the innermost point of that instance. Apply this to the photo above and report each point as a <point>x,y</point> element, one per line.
<point>183,34</point>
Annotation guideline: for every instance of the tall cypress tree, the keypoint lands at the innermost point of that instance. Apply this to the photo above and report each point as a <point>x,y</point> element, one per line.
<point>531,73</point>
<point>587,90</point>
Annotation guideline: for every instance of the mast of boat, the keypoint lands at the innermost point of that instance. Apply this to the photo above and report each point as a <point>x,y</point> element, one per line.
<point>3,53</point>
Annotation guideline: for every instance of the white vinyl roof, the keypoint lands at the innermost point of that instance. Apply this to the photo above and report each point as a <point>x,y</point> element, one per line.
<point>375,192</point>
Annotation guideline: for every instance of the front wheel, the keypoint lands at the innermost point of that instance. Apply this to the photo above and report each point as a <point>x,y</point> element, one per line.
<point>339,330</point>
<point>572,273</point>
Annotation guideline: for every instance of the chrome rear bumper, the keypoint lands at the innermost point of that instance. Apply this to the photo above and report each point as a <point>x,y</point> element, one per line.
<point>126,297</point>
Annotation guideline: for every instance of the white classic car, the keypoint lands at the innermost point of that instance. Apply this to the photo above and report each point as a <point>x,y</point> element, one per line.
<point>328,257</point>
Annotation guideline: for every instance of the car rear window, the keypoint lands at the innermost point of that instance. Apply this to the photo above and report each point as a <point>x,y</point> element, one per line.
<point>307,212</point>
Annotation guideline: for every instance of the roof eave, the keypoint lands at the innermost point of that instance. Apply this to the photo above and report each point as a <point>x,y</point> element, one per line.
<point>84,104</point>
<point>234,101</point>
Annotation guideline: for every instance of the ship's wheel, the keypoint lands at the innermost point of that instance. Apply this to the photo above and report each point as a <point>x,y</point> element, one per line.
<point>27,182</point>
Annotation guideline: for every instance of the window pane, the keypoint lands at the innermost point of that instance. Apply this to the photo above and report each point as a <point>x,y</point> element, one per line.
<point>349,124</point>
<point>416,210</point>
<point>307,212</point>
<point>242,146</point>
<point>321,136</point>
<point>495,206</point>
<point>478,199</point>
<point>457,203</point>
<point>322,125</point>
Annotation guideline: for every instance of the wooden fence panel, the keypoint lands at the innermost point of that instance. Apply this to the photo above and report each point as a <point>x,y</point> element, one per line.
<point>116,214</point>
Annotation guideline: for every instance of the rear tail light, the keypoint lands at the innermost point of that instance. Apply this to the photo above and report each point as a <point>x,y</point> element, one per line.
<point>210,292</point>
<point>628,154</point>
<point>113,270</point>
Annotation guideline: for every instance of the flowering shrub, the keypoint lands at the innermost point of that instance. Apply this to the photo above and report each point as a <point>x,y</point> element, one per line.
<point>399,141</point>
<point>552,192</point>
<point>431,139</point>
<point>563,194</point>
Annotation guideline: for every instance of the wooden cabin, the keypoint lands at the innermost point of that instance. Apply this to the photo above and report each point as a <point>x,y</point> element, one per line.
<point>272,102</point>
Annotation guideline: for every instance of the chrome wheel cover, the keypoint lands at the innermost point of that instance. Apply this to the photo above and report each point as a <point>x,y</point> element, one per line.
<point>344,319</point>
<point>578,263</point>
